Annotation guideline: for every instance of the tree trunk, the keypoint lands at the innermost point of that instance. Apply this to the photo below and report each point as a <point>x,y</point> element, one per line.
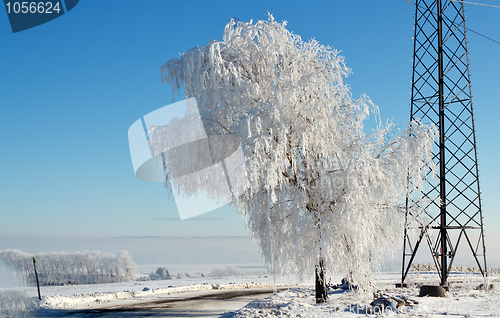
<point>321,295</point>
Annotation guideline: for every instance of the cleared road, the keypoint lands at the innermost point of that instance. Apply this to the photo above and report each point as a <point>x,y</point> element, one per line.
<point>217,303</point>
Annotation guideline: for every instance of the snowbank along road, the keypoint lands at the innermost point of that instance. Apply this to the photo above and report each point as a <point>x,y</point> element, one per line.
<point>197,304</point>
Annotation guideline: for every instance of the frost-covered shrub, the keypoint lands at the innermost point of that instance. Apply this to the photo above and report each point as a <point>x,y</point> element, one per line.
<point>161,274</point>
<point>226,271</point>
<point>61,268</point>
<point>15,303</point>
<point>182,275</point>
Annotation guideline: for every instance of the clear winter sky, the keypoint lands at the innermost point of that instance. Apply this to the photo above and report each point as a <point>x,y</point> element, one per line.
<point>71,88</point>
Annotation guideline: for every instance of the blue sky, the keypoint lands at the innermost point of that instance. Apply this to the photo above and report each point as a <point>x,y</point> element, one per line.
<point>71,88</point>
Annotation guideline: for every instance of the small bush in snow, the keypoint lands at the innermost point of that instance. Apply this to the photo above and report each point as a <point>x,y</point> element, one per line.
<point>161,274</point>
<point>226,271</point>
<point>14,303</point>
<point>183,275</point>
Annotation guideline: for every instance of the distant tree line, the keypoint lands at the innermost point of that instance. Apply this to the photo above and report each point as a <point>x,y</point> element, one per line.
<point>61,268</point>
<point>462,269</point>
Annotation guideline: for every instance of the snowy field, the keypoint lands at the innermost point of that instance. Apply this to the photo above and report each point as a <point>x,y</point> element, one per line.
<point>465,298</point>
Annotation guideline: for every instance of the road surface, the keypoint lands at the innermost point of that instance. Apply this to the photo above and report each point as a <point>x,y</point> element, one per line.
<point>214,303</point>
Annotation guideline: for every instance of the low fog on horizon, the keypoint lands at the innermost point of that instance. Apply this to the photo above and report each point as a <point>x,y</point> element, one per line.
<point>216,251</point>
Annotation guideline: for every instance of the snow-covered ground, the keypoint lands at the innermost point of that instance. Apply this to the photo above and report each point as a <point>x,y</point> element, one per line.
<point>464,299</point>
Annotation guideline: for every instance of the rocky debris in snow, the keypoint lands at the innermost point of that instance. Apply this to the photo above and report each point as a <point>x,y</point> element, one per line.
<point>484,287</point>
<point>386,300</point>
<point>346,284</point>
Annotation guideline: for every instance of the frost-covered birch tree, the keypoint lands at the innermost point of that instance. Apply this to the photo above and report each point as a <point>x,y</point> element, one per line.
<point>323,194</point>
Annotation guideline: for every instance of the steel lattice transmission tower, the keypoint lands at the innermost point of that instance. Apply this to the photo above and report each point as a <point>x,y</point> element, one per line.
<point>441,95</point>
